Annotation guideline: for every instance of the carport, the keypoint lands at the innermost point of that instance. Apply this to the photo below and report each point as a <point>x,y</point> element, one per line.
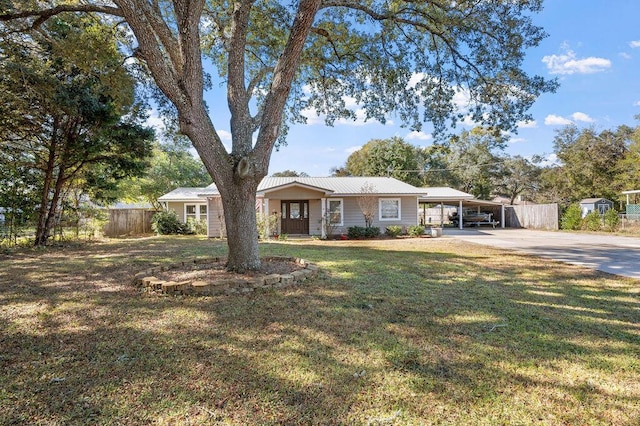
<point>452,197</point>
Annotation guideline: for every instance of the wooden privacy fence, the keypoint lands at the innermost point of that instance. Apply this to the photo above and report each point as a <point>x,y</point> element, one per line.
<point>532,216</point>
<point>128,222</point>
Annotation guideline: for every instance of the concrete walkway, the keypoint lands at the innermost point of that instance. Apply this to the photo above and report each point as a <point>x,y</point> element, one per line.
<point>607,253</point>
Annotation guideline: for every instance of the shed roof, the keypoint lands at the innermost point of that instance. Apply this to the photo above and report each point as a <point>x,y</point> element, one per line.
<point>594,200</point>
<point>186,194</point>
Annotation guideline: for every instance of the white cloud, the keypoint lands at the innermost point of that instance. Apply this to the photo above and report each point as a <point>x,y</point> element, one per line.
<point>361,115</point>
<point>569,63</point>
<point>350,101</point>
<point>635,43</point>
<point>469,121</point>
<point>415,79</point>
<point>556,120</point>
<point>353,149</point>
<point>527,124</point>
<point>421,136</point>
<point>517,140</point>
<point>550,160</point>
<point>225,136</point>
<point>155,121</point>
<point>625,55</point>
<point>636,103</point>
<point>312,117</point>
<point>581,116</point>
<point>462,99</point>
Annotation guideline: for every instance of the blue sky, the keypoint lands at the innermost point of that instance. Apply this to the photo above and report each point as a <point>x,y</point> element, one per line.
<point>593,48</point>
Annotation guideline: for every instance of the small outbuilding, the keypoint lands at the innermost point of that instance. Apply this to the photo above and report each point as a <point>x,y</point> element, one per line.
<point>600,205</point>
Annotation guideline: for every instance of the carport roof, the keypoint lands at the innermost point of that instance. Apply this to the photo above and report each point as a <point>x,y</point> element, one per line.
<point>475,202</point>
<point>443,194</point>
<point>452,196</point>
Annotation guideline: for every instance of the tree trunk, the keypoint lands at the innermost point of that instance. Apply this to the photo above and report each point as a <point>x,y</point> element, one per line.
<point>239,201</point>
<point>41,229</point>
<point>237,178</point>
<point>52,210</point>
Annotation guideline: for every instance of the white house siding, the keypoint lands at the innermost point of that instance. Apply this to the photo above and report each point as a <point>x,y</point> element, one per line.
<point>353,215</point>
<point>294,193</point>
<point>178,208</point>
<point>315,217</point>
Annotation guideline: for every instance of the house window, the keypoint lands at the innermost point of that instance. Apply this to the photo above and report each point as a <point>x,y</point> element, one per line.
<point>197,212</point>
<point>389,208</point>
<point>335,212</point>
<point>602,208</point>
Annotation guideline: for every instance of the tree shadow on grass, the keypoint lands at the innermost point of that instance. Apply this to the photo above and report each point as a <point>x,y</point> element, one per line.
<point>427,335</point>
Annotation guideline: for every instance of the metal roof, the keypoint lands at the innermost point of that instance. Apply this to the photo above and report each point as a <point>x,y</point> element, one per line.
<point>594,200</point>
<point>333,186</point>
<point>350,185</point>
<point>444,193</point>
<point>185,194</point>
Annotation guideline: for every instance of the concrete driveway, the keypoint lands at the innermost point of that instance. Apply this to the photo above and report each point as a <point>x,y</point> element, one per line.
<point>607,253</point>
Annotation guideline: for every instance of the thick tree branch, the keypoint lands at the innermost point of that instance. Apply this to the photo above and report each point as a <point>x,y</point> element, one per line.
<point>283,76</point>
<point>156,47</point>
<point>44,14</point>
<point>188,14</point>
<point>237,94</point>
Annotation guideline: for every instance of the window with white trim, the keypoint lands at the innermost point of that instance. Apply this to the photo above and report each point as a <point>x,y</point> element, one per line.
<point>197,212</point>
<point>602,208</point>
<point>335,211</point>
<point>389,209</point>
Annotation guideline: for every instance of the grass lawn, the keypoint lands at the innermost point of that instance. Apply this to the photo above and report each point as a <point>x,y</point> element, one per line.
<point>407,331</point>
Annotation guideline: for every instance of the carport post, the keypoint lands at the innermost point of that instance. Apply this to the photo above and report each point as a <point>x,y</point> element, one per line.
<point>502,216</point>
<point>460,214</point>
<point>265,208</point>
<point>323,224</point>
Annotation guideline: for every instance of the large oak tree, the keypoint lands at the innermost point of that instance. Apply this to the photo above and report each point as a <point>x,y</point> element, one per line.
<point>279,57</point>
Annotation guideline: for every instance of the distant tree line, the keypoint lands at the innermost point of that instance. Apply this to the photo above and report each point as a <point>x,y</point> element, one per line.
<point>589,163</point>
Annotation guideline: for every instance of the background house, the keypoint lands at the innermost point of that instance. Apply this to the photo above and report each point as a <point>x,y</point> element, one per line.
<point>601,205</point>
<point>188,202</point>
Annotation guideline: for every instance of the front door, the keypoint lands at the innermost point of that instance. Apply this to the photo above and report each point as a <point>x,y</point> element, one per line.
<point>295,217</point>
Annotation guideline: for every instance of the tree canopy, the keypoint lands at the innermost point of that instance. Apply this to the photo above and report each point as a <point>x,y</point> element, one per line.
<point>386,157</point>
<point>69,114</point>
<point>171,166</point>
<point>290,173</point>
<point>279,58</point>
<point>594,164</point>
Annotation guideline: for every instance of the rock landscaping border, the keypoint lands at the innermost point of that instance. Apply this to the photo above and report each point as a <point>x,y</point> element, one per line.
<point>147,280</point>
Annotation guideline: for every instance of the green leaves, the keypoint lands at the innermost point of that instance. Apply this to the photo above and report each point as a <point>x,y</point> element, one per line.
<point>386,157</point>
<point>63,112</point>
